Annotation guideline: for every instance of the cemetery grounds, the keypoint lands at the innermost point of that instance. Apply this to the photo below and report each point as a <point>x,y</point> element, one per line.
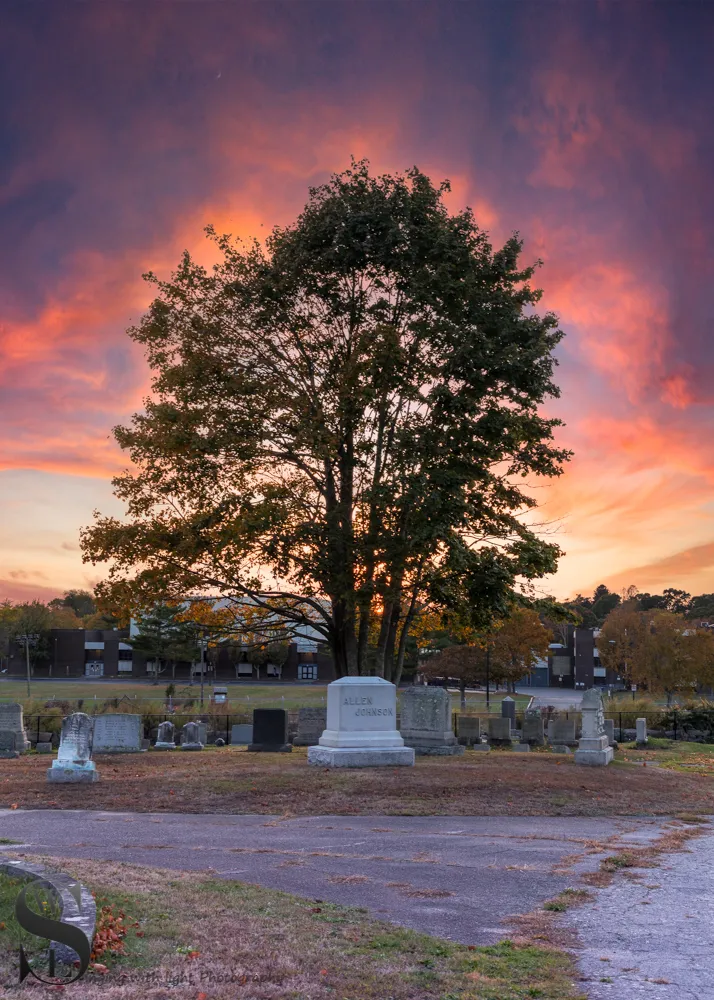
<point>188,934</point>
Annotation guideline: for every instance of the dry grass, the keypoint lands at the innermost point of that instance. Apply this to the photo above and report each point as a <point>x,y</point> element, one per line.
<point>234,781</point>
<point>256,944</point>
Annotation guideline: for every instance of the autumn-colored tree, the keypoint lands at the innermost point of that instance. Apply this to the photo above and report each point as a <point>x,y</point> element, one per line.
<point>464,664</point>
<point>349,409</point>
<point>658,650</point>
<point>517,645</point>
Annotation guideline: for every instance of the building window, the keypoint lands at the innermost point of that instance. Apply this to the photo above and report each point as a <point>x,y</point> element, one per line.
<point>307,671</point>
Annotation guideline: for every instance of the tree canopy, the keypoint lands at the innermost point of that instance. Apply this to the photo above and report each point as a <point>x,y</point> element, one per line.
<point>343,424</point>
<point>657,649</point>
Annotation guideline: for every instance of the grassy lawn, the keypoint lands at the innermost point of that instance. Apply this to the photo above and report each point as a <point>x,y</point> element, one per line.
<point>674,755</point>
<point>242,697</point>
<point>200,939</point>
<point>229,780</point>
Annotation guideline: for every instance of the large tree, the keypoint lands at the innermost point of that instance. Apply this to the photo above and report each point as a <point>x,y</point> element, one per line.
<point>339,424</point>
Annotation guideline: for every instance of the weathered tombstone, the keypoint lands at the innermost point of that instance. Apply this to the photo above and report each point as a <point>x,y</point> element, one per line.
<point>641,725</point>
<point>11,721</point>
<point>117,734</point>
<point>610,731</point>
<point>481,747</point>
<point>270,731</point>
<point>241,735</point>
<point>562,731</point>
<point>508,710</point>
<point>190,737</point>
<point>44,747</point>
<point>499,731</point>
<point>73,762</point>
<point>425,722</point>
<point>521,747</point>
<point>594,748</point>
<point>533,728</point>
<point>361,726</point>
<point>202,732</point>
<point>311,724</point>
<point>7,744</point>
<point>220,742</point>
<point>559,748</point>
<point>166,736</point>
<point>469,729</point>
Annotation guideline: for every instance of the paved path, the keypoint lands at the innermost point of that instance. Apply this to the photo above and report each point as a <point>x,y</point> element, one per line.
<point>455,877</point>
<point>562,698</point>
<point>656,933</point>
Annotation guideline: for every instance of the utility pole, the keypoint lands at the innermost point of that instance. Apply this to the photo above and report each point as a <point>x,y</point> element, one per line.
<point>29,639</point>
<point>488,677</point>
<point>202,644</point>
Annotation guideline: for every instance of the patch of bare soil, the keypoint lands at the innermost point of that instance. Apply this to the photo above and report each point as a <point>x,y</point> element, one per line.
<point>233,781</point>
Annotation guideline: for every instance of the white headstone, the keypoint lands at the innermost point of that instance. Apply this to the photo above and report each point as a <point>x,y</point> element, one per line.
<point>73,762</point>
<point>361,726</point>
<point>641,730</point>
<point>594,746</point>
<point>117,734</point>
<point>190,734</point>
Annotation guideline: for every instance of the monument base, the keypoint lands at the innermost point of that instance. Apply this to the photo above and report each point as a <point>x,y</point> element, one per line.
<point>270,747</point>
<point>595,758</point>
<point>192,746</point>
<point>360,757</point>
<point>164,746</point>
<point>64,774</point>
<point>445,750</point>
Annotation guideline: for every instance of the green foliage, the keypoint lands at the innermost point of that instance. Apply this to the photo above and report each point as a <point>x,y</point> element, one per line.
<point>163,637</point>
<point>351,407</point>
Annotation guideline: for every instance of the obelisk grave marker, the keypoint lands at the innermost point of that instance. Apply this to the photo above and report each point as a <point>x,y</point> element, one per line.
<point>361,726</point>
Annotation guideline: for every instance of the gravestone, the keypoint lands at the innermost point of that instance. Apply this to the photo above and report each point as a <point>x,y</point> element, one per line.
<point>43,747</point>
<point>610,731</point>
<point>190,737</point>
<point>499,731</point>
<point>117,734</point>
<point>425,722</point>
<point>202,732</point>
<point>469,729</point>
<point>508,710</point>
<point>166,736</point>
<point>11,721</point>
<point>594,748</point>
<point>73,763</point>
<point>311,724</point>
<point>641,725</point>
<point>533,728</point>
<point>361,726</point>
<point>7,745</point>
<point>559,748</point>
<point>241,735</point>
<point>270,731</point>
<point>521,747</point>
<point>561,731</point>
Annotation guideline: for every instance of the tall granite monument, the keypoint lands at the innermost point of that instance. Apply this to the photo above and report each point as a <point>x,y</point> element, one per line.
<point>594,747</point>
<point>361,726</point>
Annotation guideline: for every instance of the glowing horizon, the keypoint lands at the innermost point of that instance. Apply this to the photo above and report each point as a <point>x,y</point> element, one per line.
<point>585,127</point>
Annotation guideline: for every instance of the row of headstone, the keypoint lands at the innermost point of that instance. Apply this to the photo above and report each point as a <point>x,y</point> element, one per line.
<point>13,739</point>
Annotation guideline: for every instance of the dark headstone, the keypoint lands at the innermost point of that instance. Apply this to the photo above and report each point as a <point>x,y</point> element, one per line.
<point>270,731</point>
<point>508,710</point>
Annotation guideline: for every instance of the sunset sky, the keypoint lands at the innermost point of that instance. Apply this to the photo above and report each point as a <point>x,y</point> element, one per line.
<point>126,127</point>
